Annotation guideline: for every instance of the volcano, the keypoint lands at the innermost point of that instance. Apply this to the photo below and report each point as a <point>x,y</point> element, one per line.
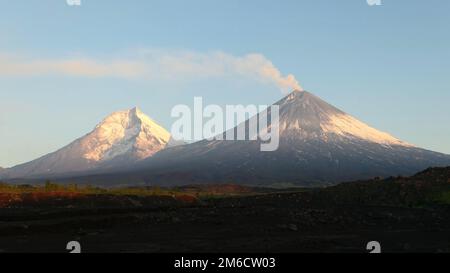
<point>121,139</point>
<point>319,145</point>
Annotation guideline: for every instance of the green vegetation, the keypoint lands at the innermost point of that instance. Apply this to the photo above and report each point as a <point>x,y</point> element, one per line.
<point>206,192</point>
<point>50,187</point>
<point>443,198</point>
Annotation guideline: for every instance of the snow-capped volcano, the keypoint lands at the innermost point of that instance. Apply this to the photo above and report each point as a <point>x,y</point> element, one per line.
<point>126,133</point>
<point>121,139</point>
<point>303,115</point>
<point>319,145</point>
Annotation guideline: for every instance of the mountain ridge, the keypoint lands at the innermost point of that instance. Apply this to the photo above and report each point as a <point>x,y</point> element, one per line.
<point>320,145</point>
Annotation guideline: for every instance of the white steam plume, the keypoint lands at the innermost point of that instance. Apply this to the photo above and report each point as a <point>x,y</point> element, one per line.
<point>155,65</point>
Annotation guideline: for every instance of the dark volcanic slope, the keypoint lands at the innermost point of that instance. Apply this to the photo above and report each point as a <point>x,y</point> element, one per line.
<point>431,186</point>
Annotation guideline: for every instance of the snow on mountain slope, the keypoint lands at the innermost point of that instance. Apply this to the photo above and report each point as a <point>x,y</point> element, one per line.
<point>304,115</point>
<point>126,132</point>
<point>122,138</point>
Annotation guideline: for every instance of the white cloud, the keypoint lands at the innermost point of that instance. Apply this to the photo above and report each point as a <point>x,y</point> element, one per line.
<point>155,65</point>
<point>83,67</point>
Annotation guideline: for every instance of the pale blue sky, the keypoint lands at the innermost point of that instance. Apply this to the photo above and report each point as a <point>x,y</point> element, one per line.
<point>387,65</point>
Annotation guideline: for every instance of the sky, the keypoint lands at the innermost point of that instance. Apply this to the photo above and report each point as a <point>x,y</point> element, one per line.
<point>64,68</point>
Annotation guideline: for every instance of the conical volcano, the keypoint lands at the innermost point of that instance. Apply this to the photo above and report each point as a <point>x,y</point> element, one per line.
<point>121,139</point>
<point>319,145</point>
